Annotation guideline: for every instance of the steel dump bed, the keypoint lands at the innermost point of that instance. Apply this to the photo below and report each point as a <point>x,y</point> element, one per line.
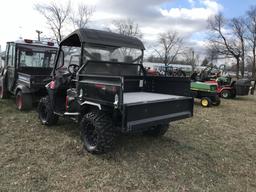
<point>142,101</point>
<point>145,109</point>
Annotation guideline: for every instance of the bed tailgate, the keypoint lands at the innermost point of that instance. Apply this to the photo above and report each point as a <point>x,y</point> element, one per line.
<point>144,110</point>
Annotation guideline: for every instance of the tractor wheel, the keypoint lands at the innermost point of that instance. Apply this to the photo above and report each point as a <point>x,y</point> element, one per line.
<point>23,101</point>
<point>226,94</point>
<point>206,102</point>
<point>3,93</point>
<point>216,102</point>
<point>157,131</point>
<point>45,112</point>
<point>97,132</point>
<point>233,95</point>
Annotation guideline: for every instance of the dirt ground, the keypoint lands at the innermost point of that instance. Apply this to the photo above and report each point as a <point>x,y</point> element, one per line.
<point>213,151</point>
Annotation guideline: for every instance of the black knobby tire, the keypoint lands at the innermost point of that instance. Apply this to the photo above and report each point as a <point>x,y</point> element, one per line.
<point>23,101</point>
<point>46,113</point>
<point>216,101</point>
<point>3,92</point>
<point>233,94</point>
<point>206,102</point>
<point>97,132</point>
<point>157,131</point>
<point>226,94</point>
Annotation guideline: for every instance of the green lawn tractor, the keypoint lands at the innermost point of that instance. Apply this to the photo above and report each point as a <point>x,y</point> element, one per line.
<point>206,92</point>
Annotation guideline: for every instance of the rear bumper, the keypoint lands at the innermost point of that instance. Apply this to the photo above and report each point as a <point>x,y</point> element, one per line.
<point>143,116</point>
<point>144,124</point>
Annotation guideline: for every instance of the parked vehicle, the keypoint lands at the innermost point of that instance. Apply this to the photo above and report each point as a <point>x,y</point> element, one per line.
<point>99,80</point>
<point>206,92</point>
<point>26,70</point>
<point>226,87</point>
<point>226,91</point>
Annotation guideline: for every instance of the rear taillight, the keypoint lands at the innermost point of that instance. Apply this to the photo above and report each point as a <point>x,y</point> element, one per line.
<point>50,43</point>
<point>66,103</point>
<point>106,87</point>
<point>52,85</point>
<point>100,86</point>
<point>28,41</point>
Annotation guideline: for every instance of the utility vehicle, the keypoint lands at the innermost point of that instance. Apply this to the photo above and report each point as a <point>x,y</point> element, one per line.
<point>99,80</point>
<point>27,67</point>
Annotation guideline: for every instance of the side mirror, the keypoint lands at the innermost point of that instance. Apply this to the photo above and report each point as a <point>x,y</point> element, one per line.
<point>3,57</point>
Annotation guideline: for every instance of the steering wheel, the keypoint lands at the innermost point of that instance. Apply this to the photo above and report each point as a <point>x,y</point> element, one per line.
<point>75,68</point>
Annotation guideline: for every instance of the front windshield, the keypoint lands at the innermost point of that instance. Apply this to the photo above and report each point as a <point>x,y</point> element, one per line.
<point>36,56</point>
<point>113,54</point>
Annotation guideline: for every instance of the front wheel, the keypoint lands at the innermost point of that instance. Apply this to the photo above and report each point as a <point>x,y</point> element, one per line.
<point>97,132</point>
<point>157,131</point>
<point>46,113</point>
<point>23,101</point>
<point>206,102</point>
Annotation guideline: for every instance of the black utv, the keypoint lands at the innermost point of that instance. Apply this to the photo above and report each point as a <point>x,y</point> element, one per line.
<point>26,70</point>
<point>99,80</point>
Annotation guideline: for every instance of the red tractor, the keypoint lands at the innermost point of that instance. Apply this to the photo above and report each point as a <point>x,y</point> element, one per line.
<point>225,91</point>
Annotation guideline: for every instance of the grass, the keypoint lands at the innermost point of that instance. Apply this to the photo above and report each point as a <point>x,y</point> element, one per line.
<point>213,151</point>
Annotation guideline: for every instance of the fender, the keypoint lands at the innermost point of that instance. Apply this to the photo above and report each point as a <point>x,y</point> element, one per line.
<point>3,77</point>
<point>91,104</point>
<point>23,88</point>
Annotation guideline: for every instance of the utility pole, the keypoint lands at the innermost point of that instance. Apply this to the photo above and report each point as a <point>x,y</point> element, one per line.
<point>193,61</point>
<point>38,34</point>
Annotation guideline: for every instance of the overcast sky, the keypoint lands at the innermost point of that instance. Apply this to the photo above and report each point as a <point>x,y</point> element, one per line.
<point>19,19</point>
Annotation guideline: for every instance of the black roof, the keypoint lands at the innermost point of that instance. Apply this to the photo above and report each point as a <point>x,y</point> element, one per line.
<point>102,38</point>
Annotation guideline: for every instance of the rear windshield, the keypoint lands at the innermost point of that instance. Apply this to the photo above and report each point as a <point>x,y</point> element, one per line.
<point>36,56</point>
<point>113,54</point>
<point>114,61</point>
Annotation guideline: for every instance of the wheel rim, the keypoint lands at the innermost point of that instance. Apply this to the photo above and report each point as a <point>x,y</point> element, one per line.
<point>205,102</point>
<point>19,101</point>
<point>225,94</point>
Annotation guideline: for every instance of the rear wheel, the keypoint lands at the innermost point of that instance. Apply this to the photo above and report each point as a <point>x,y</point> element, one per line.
<point>233,95</point>
<point>23,101</point>
<point>206,102</point>
<point>46,113</point>
<point>97,132</point>
<point>225,94</point>
<point>3,92</point>
<point>157,131</point>
<point>217,101</point>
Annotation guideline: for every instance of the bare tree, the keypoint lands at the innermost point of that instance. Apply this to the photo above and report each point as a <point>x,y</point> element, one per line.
<point>127,27</point>
<point>170,46</point>
<point>239,29</point>
<point>212,54</point>
<point>56,16</point>
<point>225,43</point>
<point>81,16</point>
<point>251,36</point>
<point>191,58</point>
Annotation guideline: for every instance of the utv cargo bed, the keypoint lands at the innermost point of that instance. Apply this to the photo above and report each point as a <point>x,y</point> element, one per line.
<point>144,109</point>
